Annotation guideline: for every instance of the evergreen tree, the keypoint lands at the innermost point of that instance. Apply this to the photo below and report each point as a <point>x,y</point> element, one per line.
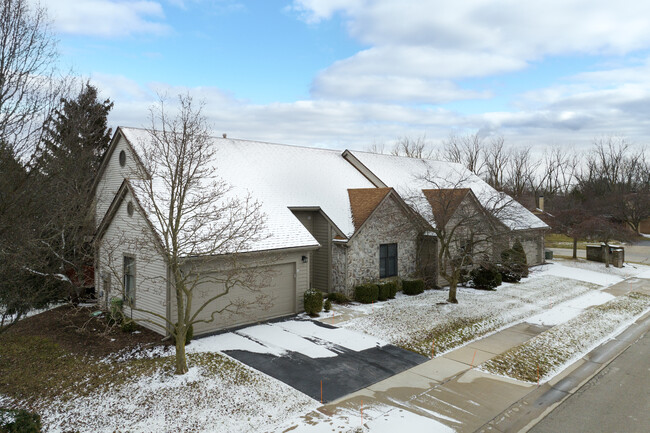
<point>75,139</point>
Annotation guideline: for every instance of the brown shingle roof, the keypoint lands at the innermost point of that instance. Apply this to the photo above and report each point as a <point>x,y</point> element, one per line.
<point>363,202</point>
<point>444,202</point>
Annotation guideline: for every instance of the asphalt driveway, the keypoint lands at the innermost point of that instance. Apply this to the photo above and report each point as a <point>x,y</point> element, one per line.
<point>302,353</point>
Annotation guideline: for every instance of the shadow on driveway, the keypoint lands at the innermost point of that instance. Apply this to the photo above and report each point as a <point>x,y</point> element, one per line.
<point>341,375</point>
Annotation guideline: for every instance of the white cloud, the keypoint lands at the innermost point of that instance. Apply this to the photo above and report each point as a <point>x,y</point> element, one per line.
<point>107,18</point>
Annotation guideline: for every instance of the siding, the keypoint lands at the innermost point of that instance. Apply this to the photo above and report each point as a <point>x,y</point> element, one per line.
<point>321,259</point>
<point>132,236</point>
<point>112,178</point>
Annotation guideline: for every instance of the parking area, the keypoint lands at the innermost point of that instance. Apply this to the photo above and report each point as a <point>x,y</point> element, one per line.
<point>305,353</point>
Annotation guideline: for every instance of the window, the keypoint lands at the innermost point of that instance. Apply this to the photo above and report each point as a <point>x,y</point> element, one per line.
<point>387,260</point>
<point>129,280</point>
<point>129,208</point>
<point>122,158</point>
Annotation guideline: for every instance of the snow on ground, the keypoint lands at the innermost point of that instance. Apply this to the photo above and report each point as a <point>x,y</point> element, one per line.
<point>550,352</point>
<point>568,310</point>
<point>303,336</point>
<point>223,397</point>
<point>411,322</point>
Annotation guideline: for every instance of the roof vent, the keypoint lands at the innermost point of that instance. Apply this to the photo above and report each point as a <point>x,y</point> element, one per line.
<point>224,135</point>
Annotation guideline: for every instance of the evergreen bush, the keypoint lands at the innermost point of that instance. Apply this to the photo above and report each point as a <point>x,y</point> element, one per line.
<point>338,298</point>
<point>393,288</point>
<point>313,302</point>
<point>19,421</point>
<point>413,287</point>
<point>366,293</point>
<point>128,325</point>
<point>520,258</point>
<point>485,277</point>
<point>327,305</point>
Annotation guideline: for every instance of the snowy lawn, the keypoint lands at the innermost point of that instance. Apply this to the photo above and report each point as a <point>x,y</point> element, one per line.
<point>138,392</point>
<point>417,323</point>
<point>543,356</point>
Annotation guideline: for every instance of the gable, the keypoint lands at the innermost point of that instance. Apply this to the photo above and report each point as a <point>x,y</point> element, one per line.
<point>444,202</point>
<point>363,202</point>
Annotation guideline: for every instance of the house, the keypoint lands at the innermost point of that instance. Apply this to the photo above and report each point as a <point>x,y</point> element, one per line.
<point>332,220</point>
<point>644,227</point>
<point>326,227</point>
<point>412,177</point>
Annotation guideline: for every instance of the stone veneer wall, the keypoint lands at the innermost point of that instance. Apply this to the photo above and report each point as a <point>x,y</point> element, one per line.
<point>359,262</point>
<point>533,243</point>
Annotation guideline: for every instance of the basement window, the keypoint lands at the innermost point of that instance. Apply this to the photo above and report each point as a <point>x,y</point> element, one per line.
<point>387,260</point>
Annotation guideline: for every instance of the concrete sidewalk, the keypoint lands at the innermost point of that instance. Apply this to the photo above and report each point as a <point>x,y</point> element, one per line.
<point>451,391</point>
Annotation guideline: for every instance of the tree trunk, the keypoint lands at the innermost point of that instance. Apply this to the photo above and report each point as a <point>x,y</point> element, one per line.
<point>575,248</point>
<point>181,360</point>
<point>452,292</point>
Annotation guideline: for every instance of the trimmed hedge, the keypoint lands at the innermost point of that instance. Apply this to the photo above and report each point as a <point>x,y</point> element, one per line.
<point>366,293</point>
<point>393,288</point>
<point>313,302</point>
<point>413,287</point>
<point>338,298</point>
<point>485,277</point>
<point>383,292</point>
<point>327,305</point>
<point>19,421</point>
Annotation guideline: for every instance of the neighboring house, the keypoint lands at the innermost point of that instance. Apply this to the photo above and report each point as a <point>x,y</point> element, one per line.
<point>411,177</point>
<point>326,226</point>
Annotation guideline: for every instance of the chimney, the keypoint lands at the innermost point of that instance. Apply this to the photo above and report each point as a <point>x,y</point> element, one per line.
<point>540,203</point>
<point>225,135</point>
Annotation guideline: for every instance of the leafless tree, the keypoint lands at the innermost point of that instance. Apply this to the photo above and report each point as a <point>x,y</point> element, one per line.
<point>497,158</point>
<point>466,150</point>
<point>29,88</point>
<point>199,227</point>
<point>520,166</point>
<point>417,147</point>
<point>470,230</point>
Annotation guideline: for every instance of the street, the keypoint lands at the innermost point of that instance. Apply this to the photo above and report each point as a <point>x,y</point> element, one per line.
<point>615,400</point>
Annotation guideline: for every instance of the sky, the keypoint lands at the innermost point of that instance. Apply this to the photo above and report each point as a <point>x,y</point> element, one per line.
<point>353,73</point>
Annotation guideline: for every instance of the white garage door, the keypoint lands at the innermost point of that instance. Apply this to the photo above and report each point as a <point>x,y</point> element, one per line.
<point>276,297</point>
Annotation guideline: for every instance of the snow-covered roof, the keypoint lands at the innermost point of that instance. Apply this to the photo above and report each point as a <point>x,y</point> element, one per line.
<point>409,176</point>
<point>280,177</point>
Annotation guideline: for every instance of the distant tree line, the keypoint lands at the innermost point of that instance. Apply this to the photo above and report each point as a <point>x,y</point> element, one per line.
<point>601,194</point>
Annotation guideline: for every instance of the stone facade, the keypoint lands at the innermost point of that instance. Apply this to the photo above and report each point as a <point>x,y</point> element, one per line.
<point>357,261</point>
<point>533,243</point>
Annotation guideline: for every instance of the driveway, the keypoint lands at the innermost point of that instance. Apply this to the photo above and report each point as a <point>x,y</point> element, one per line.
<point>302,353</point>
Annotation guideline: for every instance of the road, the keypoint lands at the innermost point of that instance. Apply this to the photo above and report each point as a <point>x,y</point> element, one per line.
<point>615,400</point>
<point>637,253</point>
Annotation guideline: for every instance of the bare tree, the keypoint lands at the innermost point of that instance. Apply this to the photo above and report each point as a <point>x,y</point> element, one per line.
<point>28,88</point>
<point>466,150</point>
<point>469,230</point>
<point>497,158</point>
<point>412,147</point>
<point>199,226</point>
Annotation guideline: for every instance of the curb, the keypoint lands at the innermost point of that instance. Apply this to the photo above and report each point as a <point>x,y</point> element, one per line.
<point>525,413</point>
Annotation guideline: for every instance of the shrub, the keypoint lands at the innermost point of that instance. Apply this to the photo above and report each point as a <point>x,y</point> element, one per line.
<point>392,288</point>
<point>327,305</point>
<point>412,287</point>
<point>383,292</point>
<point>338,298</point>
<point>520,258</point>
<point>313,302</point>
<point>485,277</point>
<point>19,421</point>
<point>366,293</point>
<point>128,325</point>
<point>116,315</point>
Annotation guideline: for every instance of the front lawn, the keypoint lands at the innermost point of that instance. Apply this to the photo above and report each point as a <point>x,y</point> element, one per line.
<point>416,323</point>
<point>86,387</point>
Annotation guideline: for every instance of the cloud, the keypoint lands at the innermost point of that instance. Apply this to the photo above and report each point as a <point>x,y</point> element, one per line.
<point>108,18</point>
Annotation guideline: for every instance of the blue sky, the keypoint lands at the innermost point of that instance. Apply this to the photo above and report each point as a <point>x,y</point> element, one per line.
<point>349,73</point>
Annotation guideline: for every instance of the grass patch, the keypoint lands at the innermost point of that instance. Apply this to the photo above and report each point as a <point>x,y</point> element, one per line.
<point>556,240</point>
<point>451,334</point>
<point>546,353</point>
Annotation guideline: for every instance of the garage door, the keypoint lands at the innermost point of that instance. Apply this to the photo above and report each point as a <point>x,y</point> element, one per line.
<point>276,297</point>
